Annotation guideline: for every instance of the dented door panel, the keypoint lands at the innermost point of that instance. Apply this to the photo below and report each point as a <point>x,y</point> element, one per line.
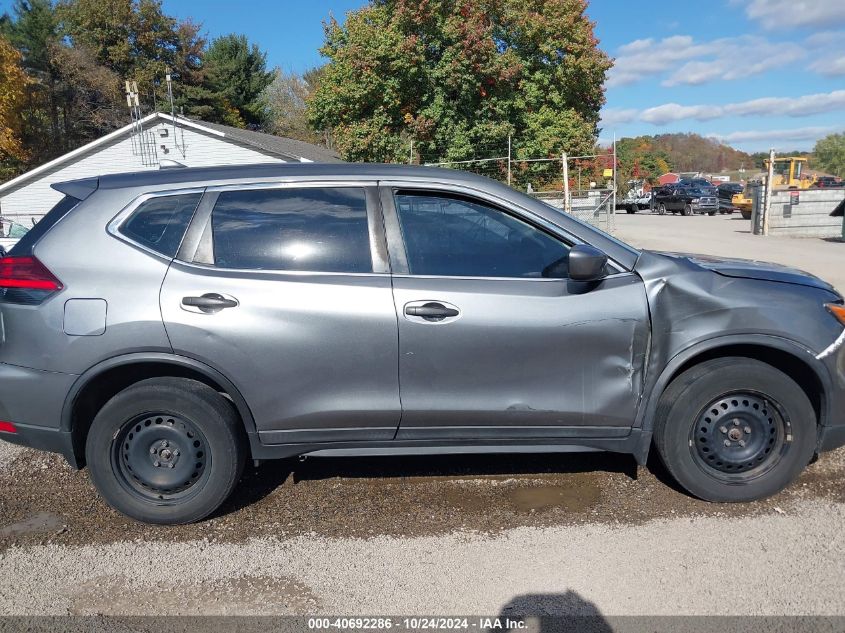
<point>523,359</point>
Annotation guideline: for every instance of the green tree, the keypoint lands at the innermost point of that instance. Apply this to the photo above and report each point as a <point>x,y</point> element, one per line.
<point>134,39</point>
<point>829,154</point>
<point>235,77</point>
<point>457,77</point>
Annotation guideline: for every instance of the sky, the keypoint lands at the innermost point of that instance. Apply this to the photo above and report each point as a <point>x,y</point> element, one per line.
<point>753,73</point>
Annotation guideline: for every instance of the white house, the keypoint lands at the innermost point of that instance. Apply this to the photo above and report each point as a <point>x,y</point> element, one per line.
<point>148,145</point>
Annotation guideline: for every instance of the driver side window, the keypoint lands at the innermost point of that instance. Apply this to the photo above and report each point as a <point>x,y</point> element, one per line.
<point>453,236</point>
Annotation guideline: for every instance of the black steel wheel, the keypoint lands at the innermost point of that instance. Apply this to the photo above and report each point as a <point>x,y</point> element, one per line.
<point>740,435</point>
<point>161,457</point>
<point>734,429</point>
<point>166,450</point>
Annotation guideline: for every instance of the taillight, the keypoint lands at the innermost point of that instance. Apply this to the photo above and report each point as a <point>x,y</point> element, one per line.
<point>7,427</point>
<point>26,280</point>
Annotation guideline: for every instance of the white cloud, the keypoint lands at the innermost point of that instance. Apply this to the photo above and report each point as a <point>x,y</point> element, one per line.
<point>825,39</point>
<point>776,136</point>
<point>757,55</point>
<point>806,105</point>
<point>611,117</point>
<point>695,63</point>
<point>641,59</point>
<point>833,67</point>
<point>787,14</point>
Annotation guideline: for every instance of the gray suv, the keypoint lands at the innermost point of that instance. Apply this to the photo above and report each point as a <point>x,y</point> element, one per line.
<point>163,327</point>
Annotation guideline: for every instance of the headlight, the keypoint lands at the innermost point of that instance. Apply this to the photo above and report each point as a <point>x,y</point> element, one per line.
<point>694,200</point>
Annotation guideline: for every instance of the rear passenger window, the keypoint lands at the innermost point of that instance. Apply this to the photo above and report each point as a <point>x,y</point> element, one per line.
<point>160,223</point>
<point>309,229</point>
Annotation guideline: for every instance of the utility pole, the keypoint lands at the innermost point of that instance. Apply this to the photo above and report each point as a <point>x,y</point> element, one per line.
<point>767,202</point>
<point>411,156</point>
<point>566,204</point>
<point>509,160</point>
<point>612,210</point>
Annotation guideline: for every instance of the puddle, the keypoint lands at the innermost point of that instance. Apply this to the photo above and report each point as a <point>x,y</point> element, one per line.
<point>526,499</point>
<point>40,522</point>
<point>571,499</point>
<point>253,595</point>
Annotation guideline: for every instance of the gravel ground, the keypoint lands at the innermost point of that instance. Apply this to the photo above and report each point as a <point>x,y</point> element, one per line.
<point>423,537</point>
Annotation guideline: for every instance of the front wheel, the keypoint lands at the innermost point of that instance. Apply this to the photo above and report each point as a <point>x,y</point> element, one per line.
<point>687,210</point>
<point>661,209</point>
<point>711,213</point>
<point>166,450</point>
<point>735,429</point>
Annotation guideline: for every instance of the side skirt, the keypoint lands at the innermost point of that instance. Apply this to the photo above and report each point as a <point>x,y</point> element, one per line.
<point>636,443</point>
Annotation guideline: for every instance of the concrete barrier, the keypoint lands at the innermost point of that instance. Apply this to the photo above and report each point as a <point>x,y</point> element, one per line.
<point>803,213</point>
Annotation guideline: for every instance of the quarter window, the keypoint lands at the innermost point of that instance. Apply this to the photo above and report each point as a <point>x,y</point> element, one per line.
<point>459,237</point>
<point>160,223</point>
<point>308,229</point>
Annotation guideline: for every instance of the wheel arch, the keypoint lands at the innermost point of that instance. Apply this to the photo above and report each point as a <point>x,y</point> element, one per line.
<point>97,385</point>
<point>781,353</point>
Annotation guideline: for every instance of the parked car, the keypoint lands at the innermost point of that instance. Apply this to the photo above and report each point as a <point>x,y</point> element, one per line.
<point>726,192</point>
<point>827,182</point>
<point>686,200</point>
<point>634,202</point>
<point>10,232</point>
<point>164,327</point>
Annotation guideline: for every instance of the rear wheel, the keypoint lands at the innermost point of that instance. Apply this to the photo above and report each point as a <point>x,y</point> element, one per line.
<point>166,450</point>
<point>735,429</point>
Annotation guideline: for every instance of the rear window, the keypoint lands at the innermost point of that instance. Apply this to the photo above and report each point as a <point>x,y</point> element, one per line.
<point>24,246</point>
<point>160,223</point>
<point>309,229</point>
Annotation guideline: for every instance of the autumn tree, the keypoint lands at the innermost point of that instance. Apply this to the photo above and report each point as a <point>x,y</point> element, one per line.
<point>457,77</point>
<point>135,39</point>
<point>286,99</point>
<point>829,154</point>
<point>12,99</point>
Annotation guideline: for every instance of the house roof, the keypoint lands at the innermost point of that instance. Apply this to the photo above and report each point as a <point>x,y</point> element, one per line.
<point>285,148</point>
<point>276,144</point>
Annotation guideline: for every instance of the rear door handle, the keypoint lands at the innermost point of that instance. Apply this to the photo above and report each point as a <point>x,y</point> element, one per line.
<point>209,303</point>
<point>432,311</point>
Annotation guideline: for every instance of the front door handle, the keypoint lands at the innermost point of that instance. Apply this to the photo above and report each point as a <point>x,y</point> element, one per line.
<point>430,311</point>
<point>209,303</point>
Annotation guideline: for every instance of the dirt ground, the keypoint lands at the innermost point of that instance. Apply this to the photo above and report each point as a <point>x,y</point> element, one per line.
<point>533,534</point>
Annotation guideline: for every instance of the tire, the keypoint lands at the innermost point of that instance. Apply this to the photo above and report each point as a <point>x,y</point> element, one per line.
<point>746,215</point>
<point>687,210</point>
<point>734,400</point>
<point>661,209</point>
<point>166,451</point>
<point>631,209</point>
<point>711,213</point>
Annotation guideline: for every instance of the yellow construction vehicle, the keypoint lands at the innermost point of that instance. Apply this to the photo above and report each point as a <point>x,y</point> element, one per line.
<point>790,172</point>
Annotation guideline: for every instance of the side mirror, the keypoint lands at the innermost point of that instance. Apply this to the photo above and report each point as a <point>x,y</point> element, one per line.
<point>586,263</point>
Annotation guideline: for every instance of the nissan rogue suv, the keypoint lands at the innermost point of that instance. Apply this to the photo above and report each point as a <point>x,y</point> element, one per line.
<point>164,327</point>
